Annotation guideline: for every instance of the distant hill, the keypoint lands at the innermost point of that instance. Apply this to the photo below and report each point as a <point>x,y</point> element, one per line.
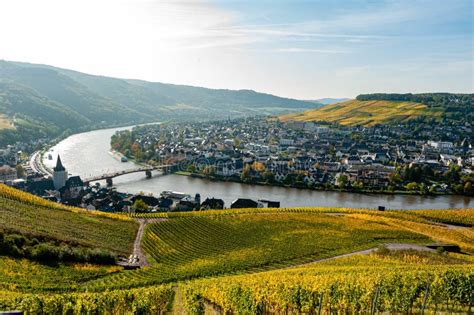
<point>372,109</point>
<point>326,101</point>
<point>41,99</point>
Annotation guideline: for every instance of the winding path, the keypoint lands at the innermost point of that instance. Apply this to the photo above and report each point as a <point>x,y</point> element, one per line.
<point>390,246</point>
<point>137,250</point>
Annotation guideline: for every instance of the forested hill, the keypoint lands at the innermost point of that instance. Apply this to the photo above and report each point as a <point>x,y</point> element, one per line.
<point>372,109</point>
<point>45,100</point>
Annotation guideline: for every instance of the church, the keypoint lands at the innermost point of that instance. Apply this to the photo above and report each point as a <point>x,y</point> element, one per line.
<point>59,175</point>
<point>70,189</point>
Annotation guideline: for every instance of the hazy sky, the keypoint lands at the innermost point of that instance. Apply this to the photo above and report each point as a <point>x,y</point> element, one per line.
<point>300,49</point>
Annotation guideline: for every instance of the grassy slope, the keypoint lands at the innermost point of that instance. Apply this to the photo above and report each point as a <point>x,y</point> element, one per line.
<point>211,243</point>
<point>26,214</point>
<point>217,242</point>
<point>367,113</point>
<point>29,276</point>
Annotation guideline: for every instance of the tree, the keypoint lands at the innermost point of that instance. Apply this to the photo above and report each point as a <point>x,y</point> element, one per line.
<point>468,188</point>
<point>139,206</point>
<point>453,174</point>
<point>394,178</point>
<point>208,170</point>
<point>20,171</point>
<point>413,186</point>
<point>245,173</point>
<point>268,176</point>
<point>342,180</point>
<point>191,168</point>
<point>137,151</point>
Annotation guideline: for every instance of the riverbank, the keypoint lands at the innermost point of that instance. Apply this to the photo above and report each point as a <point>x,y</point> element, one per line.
<point>277,184</point>
<point>88,154</point>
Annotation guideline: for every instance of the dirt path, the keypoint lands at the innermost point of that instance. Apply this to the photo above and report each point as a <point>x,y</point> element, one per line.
<point>450,226</point>
<point>391,246</point>
<point>137,250</point>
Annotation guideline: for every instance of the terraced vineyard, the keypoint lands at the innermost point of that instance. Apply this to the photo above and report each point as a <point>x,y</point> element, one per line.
<point>248,247</point>
<point>26,214</point>
<point>366,113</point>
<point>407,282</point>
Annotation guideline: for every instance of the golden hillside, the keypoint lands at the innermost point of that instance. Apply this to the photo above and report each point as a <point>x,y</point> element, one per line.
<point>367,113</point>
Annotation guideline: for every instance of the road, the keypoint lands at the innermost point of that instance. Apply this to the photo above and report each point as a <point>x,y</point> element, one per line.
<point>390,246</point>
<point>137,250</point>
<point>37,165</point>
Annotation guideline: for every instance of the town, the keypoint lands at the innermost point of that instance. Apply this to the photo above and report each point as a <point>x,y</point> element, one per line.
<point>413,157</point>
<point>410,158</point>
<point>58,186</point>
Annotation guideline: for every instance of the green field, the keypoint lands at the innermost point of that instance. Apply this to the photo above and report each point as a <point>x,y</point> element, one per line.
<point>366,113</point>
<point>5,122</point>
<point>236,260</point>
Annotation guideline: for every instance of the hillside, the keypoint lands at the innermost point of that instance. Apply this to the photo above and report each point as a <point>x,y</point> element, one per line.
<point>384,281</point>
<point>232,255</point>
<point>372,109</point>
<point>48,101</point>
<point>33,221</point>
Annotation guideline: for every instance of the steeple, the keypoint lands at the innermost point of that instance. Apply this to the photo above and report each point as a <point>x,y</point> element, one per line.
<point>59,175</point>
<point>59,166</point>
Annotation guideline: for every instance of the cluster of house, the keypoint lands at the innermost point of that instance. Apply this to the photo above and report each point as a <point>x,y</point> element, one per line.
<point>9,158</point>
<point>307,152</point>
<point>71,190</point>
<point>178,201</point>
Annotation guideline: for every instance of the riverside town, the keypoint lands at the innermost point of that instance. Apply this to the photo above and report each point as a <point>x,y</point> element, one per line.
<point>241,157</point>
<point>405,158</point>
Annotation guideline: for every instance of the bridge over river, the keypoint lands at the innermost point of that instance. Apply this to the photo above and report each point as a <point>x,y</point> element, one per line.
<point>109,176</point>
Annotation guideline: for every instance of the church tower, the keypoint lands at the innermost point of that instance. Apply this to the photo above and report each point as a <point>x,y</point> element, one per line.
<point>59,175</point>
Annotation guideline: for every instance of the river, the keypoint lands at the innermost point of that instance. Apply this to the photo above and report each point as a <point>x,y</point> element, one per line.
<point>88,154</point>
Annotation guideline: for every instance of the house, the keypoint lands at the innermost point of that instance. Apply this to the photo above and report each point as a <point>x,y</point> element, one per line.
<point>352,160</point>
<point>286,142</point>
<point>270,204</point>
<point>244,203</point>
<point>73,188</point>
<point>441,145</point>
<point>39,185</point>
<point>185,205</point>
<point>149,200</point>
<point>165,204</point>
<point>212,203</point>
<point>448,160</point>
<point>7,173</point>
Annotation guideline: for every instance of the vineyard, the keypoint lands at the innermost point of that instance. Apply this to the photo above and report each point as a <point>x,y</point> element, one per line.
<point>242,261</point>
<point>197,246</point>
<point>357,284</point>
<point>152,300</point>
<point>29,215</point>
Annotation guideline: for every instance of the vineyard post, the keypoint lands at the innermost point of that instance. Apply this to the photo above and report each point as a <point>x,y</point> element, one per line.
<point>425,298</point>
<point>375,300</point>
<point>321,297</point>
<point>469,308</point>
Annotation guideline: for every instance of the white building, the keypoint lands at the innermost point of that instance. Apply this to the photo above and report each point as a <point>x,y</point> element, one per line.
<point>286,142</point>
<point>441,145</point>
<point>59,175</point>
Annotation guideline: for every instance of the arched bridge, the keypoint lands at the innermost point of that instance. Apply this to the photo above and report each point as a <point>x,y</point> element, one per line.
<point>108,176</point>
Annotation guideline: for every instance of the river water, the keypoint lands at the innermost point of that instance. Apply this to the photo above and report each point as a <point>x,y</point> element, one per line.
<point>88,154</point>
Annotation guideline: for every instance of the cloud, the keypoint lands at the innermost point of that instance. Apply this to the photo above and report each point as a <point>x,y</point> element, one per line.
<point>310,50</point>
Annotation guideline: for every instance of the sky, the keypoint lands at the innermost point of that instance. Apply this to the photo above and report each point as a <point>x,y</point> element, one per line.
<point>298,49</point>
